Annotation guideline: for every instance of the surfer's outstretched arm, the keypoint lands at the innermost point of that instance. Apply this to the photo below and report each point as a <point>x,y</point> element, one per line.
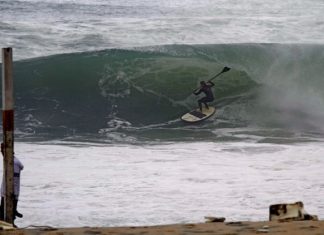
<point>211,83</point>
<point>197,92</point>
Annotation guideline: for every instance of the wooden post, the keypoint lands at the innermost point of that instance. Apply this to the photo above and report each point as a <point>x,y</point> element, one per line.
<point>8,132</point>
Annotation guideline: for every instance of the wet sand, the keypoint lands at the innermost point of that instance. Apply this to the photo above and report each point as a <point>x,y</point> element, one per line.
<point>227,228</point>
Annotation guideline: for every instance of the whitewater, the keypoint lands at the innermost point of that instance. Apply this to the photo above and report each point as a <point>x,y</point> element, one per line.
<point>40,27</point>
<point>100,86</point>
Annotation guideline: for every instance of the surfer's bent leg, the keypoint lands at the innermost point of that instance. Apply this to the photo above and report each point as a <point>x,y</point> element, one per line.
<point>199,104</point>
<point>204,100</point>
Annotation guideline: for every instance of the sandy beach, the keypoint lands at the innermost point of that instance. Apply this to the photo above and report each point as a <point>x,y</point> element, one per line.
<point>227,228</point>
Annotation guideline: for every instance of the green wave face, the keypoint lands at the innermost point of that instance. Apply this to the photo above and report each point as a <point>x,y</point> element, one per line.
<point>268,85</point>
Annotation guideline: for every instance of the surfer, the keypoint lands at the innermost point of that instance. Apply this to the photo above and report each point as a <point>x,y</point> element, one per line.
<point>205,87</point>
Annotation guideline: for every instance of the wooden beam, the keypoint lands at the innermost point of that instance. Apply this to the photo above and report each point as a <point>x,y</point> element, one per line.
<point>8,132</point>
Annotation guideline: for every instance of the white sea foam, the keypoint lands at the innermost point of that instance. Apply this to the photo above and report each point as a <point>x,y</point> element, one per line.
<point>97,185</point>
<point>42,27</point>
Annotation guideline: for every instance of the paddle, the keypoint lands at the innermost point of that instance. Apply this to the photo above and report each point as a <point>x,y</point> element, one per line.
<point>225,69</point>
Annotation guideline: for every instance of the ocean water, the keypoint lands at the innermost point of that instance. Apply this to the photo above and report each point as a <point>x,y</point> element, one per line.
<point>100,86</point>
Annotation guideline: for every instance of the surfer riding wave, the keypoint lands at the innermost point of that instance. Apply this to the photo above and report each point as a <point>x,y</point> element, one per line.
<point>205,87</point>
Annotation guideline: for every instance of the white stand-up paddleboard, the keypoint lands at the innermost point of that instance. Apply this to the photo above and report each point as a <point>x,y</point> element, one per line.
<point>197,116</point>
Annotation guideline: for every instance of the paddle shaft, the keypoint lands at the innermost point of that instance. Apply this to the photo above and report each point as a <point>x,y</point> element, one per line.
<point>225,69</point>
<point>215,76</point>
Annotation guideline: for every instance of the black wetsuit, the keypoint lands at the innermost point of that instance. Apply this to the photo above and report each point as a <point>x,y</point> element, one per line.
<point>208,92</point>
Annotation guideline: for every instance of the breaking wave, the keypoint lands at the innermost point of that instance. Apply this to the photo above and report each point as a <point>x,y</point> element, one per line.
<point>269,85</point>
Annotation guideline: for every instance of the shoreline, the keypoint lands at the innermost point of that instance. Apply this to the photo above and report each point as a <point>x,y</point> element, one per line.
<point>225,228</point>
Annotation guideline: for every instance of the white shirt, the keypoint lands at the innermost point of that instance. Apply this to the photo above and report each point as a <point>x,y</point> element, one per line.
<point>18,166</point>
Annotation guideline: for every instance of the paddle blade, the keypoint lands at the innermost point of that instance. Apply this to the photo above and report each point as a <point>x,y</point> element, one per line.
<point>225,69</point>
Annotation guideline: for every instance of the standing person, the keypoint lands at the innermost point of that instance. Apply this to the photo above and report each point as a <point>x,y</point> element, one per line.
<point>205,87</point>
<point>18,167</point>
